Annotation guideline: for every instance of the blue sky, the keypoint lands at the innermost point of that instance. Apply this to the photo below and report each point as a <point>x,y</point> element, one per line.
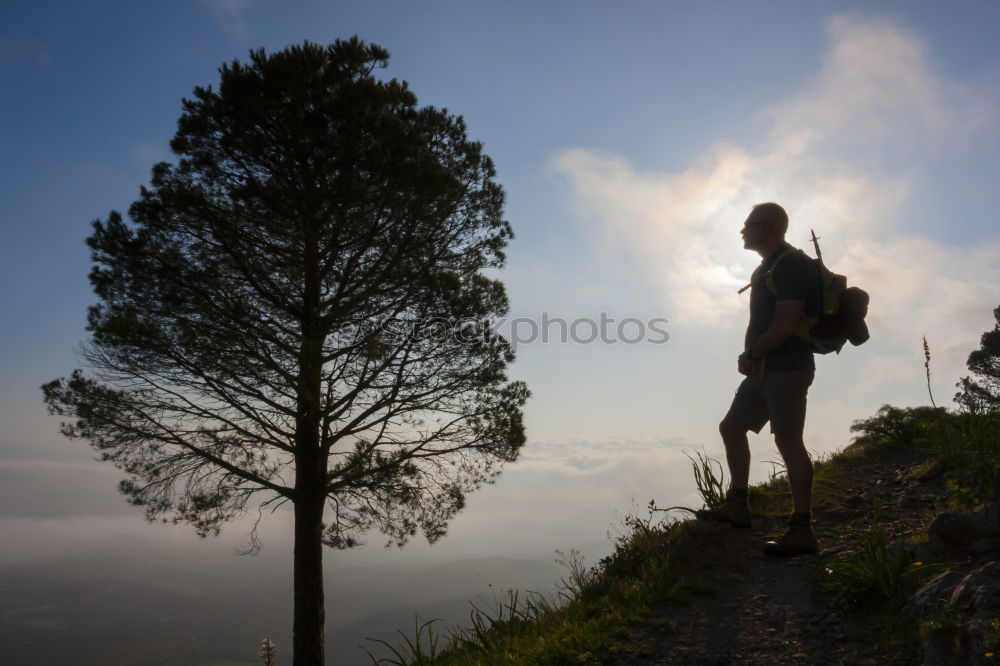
<point>631,138</point>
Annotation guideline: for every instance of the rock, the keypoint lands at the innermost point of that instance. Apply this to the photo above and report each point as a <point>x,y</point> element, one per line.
<point>974,640</point>
<point>954,533</point>
<point>971,599</point>
<point>989,516</point>
<point>983,547</point>
<point>991,569</point>
<point>932,595</point>
<point>954,529</point>
<point>932,550</point>
<point>977,593</point>
<point>938,649</point>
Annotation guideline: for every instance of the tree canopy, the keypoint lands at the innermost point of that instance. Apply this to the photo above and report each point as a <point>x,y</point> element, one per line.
<point>981,391</point>
<point>299,311</point>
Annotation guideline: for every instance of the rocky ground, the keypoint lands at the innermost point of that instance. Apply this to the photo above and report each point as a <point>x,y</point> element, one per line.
<point>745,608</point>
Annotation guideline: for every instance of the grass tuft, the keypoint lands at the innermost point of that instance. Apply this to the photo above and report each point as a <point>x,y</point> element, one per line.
<point>419,649</point>
<point>878,573</point>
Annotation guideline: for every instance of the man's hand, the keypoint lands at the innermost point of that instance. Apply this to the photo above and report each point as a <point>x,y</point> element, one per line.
<point>787,315</point>
<point>745,365</point>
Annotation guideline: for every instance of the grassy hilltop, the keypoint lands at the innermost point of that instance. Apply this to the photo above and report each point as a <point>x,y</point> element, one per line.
<point>908,517</point>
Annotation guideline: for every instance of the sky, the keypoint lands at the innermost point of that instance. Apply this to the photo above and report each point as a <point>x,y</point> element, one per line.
<point>631,138</point>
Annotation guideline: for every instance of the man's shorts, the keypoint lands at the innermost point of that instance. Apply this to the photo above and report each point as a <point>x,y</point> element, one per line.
<point>776,396</point>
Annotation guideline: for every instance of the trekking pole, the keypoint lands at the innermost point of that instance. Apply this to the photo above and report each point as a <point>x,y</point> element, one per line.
<point>819,255</point>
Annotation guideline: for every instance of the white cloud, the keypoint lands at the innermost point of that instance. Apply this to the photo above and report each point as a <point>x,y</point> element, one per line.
<point>840,157</point>
<point>877,84</point>
<point>231,15</point>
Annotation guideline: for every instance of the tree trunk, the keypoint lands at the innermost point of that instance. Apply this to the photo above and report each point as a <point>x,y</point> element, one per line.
<point>309,623</point>
<point>310,479</point>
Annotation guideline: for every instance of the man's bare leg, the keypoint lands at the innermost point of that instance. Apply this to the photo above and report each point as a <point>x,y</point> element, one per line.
<point>799,539</point>
<point>735,510</point>
<point>799,469</point>
<point>737,454</point>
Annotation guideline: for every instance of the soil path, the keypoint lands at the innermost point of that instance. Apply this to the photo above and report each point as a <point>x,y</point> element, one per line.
<point>761,610</point>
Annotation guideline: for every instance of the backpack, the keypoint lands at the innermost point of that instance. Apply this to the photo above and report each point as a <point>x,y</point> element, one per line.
<point>841,318</point>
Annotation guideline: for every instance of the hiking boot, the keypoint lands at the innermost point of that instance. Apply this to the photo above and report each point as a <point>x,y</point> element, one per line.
<point>734,511</point>
<point>798,540</point>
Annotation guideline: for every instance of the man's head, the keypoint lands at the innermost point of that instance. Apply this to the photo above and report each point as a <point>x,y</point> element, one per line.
<point>765,227</point>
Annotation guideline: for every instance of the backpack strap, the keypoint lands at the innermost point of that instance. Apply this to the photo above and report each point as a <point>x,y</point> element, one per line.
<point>806,323</point>
<point>773,288</point>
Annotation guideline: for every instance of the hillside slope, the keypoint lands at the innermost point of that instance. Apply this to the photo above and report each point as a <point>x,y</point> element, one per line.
<point>908,572</point>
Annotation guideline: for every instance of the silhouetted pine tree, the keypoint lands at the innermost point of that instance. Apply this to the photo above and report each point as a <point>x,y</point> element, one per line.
<point>981,392</point>
<point>278,321</point>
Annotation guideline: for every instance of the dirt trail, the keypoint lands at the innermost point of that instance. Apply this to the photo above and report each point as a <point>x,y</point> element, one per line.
<point>762,610</point>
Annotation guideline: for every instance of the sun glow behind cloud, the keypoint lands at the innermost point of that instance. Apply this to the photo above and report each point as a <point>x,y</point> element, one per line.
<point>842,156</point>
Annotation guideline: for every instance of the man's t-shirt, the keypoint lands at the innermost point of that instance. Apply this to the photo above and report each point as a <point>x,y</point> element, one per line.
<point>797,278</point>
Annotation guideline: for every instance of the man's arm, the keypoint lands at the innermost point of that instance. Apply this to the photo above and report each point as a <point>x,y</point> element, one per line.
<point>787,314</point>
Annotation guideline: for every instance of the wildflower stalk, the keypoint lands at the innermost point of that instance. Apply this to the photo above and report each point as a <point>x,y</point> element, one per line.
<point>268,651</point>
<point>927,368</point>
